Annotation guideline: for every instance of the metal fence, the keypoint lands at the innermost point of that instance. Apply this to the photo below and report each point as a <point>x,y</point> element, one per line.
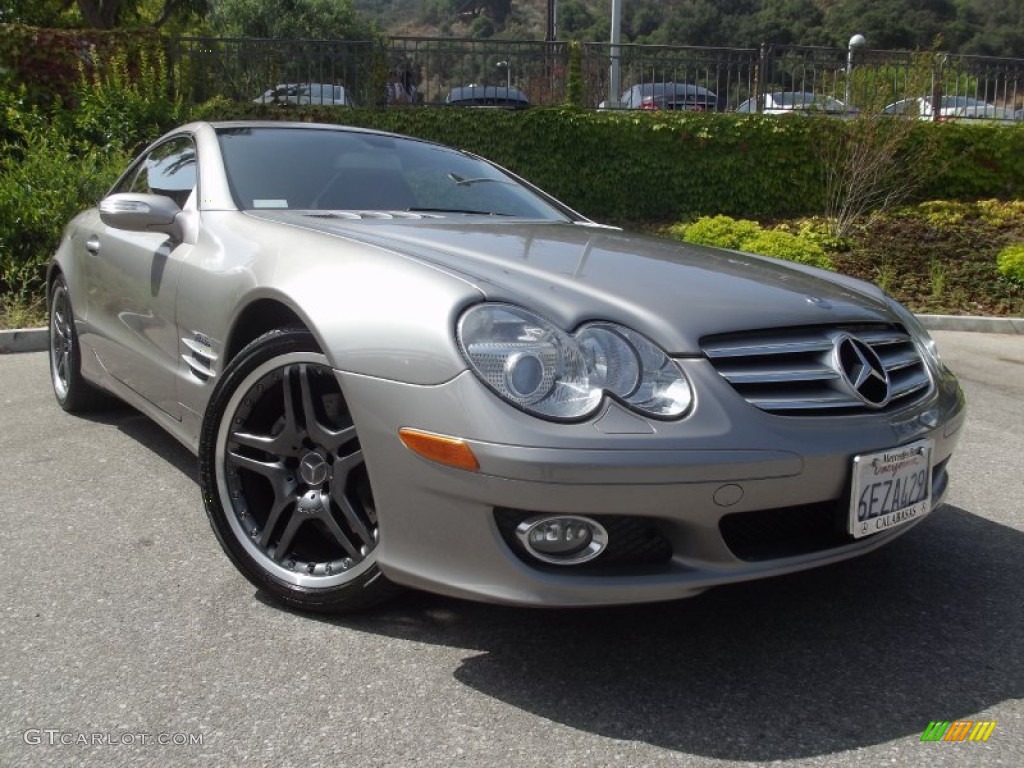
<point>246,68</point>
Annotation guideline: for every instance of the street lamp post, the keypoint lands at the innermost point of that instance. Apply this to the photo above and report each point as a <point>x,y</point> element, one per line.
<point>614,75</point>
<point>855,42</point>
<point>508,75</point>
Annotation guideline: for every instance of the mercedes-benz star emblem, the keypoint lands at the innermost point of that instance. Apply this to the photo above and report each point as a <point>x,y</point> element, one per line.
<point>313,469</point>
<point>861,370</point>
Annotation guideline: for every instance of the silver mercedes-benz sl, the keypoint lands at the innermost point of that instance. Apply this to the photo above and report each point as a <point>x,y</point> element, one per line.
<point>402,365</point>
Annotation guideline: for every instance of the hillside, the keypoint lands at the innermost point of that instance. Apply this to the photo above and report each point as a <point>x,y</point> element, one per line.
<point>982,27</point>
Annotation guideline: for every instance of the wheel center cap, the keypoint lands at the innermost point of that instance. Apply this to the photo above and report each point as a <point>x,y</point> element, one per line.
<point>313,469</point>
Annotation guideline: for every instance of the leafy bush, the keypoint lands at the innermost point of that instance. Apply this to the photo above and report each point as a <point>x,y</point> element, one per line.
<point>45,179</point>
<point>1010,263</point>
<point>744,235</point>
<point>943,214</point>
<point>720,231</point>
<point>128,103</point>
<point>784,245</point>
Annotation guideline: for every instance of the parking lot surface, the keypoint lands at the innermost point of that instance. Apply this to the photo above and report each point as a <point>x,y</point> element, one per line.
<point>127,638</point>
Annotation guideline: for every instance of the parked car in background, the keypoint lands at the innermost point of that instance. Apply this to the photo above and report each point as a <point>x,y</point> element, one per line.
<point>950,108</point>
<point>400,364</point>
<point>306,93</point>
<point>505,96</point>
<point>798,103</point>
<point>678,96</point>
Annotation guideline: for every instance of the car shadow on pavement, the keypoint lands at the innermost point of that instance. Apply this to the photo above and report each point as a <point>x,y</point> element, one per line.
<point>852,655</point>
<point>146,432</point>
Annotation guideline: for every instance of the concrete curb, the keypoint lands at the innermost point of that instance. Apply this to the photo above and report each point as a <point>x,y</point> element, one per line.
<point>976,324</point>
<point>24,340</point>
<point>37,340</point>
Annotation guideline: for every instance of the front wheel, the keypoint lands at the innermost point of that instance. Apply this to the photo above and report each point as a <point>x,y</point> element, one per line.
<point>284,479</point>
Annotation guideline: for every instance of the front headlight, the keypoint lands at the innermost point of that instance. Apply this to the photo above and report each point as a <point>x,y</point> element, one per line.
<point>545,371</point>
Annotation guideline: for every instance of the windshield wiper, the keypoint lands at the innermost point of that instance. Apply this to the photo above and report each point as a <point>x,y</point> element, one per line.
<point>460,181</point>
<point>457,210</point>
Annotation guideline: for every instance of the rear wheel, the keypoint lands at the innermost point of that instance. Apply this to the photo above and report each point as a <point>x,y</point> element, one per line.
<point>284,478</point>
<point>73,393</point>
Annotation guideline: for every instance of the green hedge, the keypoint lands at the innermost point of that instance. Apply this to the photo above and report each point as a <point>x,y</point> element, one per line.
<point>663,166</point>
<point>616,167</point>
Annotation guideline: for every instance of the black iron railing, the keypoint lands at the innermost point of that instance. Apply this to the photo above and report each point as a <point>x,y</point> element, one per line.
<point>429,68</point>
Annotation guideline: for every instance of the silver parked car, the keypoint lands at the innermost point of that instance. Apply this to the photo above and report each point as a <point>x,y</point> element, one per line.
<point>508,97</point>
<point>325,94</point>
<point>686,97</point>
<point>400,364</point>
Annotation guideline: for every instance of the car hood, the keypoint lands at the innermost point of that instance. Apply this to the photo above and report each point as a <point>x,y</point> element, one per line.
<point>674,292</point>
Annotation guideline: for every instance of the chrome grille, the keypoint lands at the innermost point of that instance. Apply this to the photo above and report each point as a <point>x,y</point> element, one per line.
<point>791,371</point>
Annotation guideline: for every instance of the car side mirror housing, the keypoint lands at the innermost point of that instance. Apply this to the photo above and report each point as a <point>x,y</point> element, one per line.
<point>137,212</point>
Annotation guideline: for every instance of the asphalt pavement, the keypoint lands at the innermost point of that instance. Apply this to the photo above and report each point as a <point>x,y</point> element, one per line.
<point>127,638</point>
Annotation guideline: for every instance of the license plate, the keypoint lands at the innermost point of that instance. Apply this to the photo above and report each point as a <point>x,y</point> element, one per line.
<point>890,488</point>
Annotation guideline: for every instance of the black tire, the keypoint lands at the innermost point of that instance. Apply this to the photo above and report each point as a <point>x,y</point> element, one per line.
<point>284,481</point>
<point>73,393</point>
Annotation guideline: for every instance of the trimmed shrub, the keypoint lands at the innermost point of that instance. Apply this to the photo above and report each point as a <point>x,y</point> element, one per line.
<point>1010,263</point>
<point>783,245</point>
<point>720,231</point>
<point>744,235</point>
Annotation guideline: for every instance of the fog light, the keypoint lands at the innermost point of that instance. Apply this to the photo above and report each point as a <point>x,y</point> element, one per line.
<point>562,539</point>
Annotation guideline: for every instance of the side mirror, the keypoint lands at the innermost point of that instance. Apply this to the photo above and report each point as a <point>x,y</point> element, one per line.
<point>142,213</point>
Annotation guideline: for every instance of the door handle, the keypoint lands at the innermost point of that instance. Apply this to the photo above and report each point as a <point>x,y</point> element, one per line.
<point>92,245</point>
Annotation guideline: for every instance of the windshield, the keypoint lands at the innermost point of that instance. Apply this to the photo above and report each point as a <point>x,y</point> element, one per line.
<point>324,170</point>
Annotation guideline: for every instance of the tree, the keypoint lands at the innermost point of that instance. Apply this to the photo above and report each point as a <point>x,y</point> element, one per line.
<point>34,13</point>
<point>100,14</point>
<point>291,19</point>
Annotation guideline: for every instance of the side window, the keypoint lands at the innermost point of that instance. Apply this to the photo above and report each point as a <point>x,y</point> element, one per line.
<point>169,169</point>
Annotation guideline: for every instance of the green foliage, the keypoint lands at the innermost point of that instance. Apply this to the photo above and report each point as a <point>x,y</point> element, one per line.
<point>128,103</point>
<point>951,268</point>
<point>785,245</point>
<point>745,235</point>
<point>50,62</point>
<point>625,167</point>
<point>1010,263</point>
<point>574,92</point>
<point>292,19</point>
<point>719,231</point>
<point>46,177</point>
<point>964,26</point>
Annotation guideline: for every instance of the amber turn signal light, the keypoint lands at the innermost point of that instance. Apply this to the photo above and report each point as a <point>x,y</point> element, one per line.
<point>444,450</point>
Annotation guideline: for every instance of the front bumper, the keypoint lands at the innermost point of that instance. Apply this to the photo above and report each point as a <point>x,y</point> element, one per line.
<point>726,461</point>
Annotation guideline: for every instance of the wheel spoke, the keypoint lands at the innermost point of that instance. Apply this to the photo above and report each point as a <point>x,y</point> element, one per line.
<point>285,541</point>
<point>352,517</point>
<point>318,432</point>
<point>345,464</point>
<point>275,471</point>
<point>337,533</point>
<point>281,444</point>
<point>281,503</point>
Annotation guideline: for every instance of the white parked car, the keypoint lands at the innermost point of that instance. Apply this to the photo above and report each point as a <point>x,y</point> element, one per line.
<point>950,108</point>
<point>798,102</point>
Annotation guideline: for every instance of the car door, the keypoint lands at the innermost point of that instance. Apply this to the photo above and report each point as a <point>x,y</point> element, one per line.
<point>132,279</point>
